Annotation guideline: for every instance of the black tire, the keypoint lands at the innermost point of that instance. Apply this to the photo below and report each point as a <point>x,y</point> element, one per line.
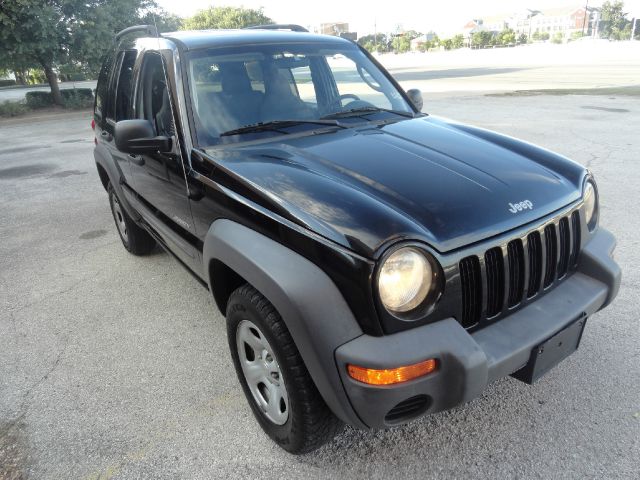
<point>134,238</point>
<point>310,423</point>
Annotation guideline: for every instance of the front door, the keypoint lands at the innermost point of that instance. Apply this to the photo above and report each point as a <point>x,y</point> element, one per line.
<point>159,178</point>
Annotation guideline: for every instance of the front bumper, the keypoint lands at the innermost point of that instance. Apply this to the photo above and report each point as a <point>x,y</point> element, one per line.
<point>468,362</point>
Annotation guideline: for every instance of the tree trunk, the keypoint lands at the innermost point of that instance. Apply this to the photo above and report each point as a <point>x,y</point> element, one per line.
<point>20,77</point>
<point>52,78</point>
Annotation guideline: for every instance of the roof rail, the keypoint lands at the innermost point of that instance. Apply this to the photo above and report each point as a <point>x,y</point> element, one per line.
<point>150,29</point>
<point>278,26</point>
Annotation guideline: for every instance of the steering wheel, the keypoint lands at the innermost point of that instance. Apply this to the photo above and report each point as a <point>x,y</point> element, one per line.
<point>347,96</point>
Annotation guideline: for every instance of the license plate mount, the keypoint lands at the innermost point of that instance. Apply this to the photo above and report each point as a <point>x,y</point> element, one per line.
<point>552,351</point>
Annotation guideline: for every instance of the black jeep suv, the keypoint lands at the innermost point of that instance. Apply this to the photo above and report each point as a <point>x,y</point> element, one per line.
<point>374,263</point>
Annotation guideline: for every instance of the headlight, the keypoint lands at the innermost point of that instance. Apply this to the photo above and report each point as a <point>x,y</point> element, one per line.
<point>404,280</point>
<point>590,198</point>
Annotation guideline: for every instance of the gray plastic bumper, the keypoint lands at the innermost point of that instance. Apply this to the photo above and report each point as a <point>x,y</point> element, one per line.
<point>467,363</point>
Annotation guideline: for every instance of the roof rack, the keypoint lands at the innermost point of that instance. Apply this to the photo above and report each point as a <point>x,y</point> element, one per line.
<point>278,26</point>
<point>150,29</point>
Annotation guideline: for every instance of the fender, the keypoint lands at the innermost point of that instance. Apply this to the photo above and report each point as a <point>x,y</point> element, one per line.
<point>103,158</point>
<point>310,304</point>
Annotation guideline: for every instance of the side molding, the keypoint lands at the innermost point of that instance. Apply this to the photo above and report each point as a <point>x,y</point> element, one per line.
<point>310,304</point>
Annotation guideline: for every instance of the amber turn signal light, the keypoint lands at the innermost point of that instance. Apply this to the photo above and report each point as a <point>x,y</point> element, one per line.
<point>389,376</point>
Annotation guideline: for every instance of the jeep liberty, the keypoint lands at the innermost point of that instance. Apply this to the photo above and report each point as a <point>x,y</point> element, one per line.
<point>374,263</point>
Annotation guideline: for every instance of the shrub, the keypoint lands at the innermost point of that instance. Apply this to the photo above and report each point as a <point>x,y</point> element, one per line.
<point>557,37</point>
<point>85,93</point>
<point>72,98</point>
<point>38,99</point>
<point>7,83</point>
<point>77,98</point>
<point>12,109</point>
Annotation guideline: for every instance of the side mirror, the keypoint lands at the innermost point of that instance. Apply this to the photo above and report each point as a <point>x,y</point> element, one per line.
<point>415,96</point>
<point>138,137</point>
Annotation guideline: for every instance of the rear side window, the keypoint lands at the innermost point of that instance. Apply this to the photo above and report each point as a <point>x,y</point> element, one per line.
<point>124,85</point>
<point>102,89</point>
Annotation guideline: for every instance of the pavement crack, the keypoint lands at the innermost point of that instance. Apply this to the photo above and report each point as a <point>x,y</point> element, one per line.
<point>24,405</point>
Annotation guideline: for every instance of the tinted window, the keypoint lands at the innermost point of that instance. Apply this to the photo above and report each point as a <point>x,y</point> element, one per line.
<point>102,88</point>
<point>303,83</point>
<point>124,84</point>
<point>354,80</point>
<point>153,102</point>
<point>239,86</point>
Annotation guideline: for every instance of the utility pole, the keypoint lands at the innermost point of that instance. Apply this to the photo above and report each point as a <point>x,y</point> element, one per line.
<point>584,20</point>
<point>375,34</point>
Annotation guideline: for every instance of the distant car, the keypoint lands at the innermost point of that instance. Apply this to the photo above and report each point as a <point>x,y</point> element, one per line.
<point>374,263</point>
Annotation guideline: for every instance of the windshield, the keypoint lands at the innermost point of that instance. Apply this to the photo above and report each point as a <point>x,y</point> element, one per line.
<point>232,88</point>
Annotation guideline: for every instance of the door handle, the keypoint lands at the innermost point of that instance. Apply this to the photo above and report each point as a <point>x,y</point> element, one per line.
<point>137,159</point>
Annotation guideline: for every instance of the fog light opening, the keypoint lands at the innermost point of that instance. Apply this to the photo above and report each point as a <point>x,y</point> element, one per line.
<point>408,409</point>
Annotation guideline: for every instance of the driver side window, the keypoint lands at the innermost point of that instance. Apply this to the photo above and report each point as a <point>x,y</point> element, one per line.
<point>349,80</point>
<point>153,101</point>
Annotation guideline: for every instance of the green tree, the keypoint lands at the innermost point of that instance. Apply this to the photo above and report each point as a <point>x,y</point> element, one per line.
<point>47,34</point>
<point>522,38</point>
<point>225,17</point>
<point>557,37</point>
<point>457,41</point>
<point>35,33</point>
<point>507,37</point>
<point>412,34</point>
<point>98,24</point>
<point>375,43</point>
<point>614,25</point>
<point>481,39</point>
<point>401,44</point>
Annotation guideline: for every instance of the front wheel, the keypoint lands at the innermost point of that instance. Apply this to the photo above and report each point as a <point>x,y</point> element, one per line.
<point>134,238</point>
<point>278,387</point>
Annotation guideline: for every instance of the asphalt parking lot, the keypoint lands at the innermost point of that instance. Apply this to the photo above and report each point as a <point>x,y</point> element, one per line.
<point>115,366</point>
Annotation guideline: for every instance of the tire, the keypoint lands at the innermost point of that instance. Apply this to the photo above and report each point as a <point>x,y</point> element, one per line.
<point>134,238</point>
<point>305,423</point>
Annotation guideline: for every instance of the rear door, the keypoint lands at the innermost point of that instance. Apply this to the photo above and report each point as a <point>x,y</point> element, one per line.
<point>118,106</point>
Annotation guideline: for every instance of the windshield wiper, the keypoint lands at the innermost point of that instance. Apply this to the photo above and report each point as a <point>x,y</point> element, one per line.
<point>355,112</point>
<point>278,125</point>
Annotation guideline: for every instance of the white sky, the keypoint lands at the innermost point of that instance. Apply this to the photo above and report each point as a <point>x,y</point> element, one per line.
<point>442,16</point>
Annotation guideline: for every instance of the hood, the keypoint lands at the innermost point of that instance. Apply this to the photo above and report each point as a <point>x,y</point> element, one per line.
<point>422,179</point>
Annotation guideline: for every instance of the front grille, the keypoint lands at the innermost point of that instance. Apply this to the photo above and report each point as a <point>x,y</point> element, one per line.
<point>507,276</point>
